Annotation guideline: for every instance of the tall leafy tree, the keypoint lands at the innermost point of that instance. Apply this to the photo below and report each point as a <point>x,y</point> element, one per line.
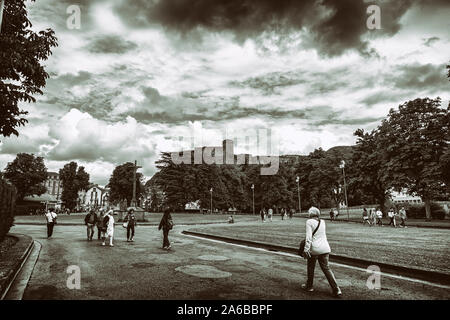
<point>22,74</point>
<point>121,183</point>
<point>27,173</point>
<point>73,179</point>
<point>368,163</point>
<point>414,138</point>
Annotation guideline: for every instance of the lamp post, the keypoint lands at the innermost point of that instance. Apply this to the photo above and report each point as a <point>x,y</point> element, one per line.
<point>211,190</point>
<point>342,166</point>
<point>2,3</point>
<point>133,201</point>
<point>298,191</point>
<point>253,190</point>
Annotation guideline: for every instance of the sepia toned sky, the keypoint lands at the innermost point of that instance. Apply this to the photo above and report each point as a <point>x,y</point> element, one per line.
<point>140,75</point>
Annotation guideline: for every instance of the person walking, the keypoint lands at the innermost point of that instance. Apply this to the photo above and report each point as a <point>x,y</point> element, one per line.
<point>99,214</point>
<point>131,219</point>
<point>391,215</point>
<point>262,212</point>
<point>318,248</point>
<point>108,224</point>
<point>51,217</point>
<point>291,213</point>
<point>403,217</point>
<point>365,216</point>
<point>270,214</point>
<point>372,217</point>
<point>331,214</point>
<point>166,224</point>
<point>379,215</point>
<point>90,221</point>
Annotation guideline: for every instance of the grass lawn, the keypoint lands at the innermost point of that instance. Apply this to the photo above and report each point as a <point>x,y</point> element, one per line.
<point>414,247</point>
<point>153,218</point>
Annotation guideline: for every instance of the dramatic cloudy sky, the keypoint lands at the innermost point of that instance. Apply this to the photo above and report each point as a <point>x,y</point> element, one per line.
<point>140,74</point>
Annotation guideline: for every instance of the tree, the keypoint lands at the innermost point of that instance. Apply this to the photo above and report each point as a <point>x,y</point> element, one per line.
<point>21,73</point>
<point>73,180</point>
<point>414,139</point>
<point>368,164</point>
<point>27,173</point>
<point>121,183</point>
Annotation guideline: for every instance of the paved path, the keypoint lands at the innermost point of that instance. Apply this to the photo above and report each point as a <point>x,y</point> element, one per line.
<point>194,269</point>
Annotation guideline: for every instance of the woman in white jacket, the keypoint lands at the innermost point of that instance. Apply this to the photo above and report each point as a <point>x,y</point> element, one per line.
<point>317,248</point>
<point>108,223</point>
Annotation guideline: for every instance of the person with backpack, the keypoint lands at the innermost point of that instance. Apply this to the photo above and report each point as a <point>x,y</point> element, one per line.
<point>318,248</point>
<point>166,224</point>
<point>108,224</point>
<point>90,221</point>
<point>130,219</point>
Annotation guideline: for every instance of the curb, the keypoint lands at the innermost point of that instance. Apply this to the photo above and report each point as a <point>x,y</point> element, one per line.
<point>420,274</point>
<point>27,243</point>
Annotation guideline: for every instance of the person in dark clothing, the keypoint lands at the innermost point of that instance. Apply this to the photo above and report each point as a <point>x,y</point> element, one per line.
<point>166,224</point>
<point>90,221</point>
<point>131,219</point>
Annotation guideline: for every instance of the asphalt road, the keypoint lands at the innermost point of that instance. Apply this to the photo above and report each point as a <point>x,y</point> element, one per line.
<point>194,269</point>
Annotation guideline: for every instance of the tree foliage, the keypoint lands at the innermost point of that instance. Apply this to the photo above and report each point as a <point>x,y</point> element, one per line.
<point>27,173</point>
<point>121,183</point>
<point>73,179</point>
<point>21,73</point>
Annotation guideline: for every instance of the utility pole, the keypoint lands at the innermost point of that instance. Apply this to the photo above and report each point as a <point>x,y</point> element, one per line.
<point>133,201</point>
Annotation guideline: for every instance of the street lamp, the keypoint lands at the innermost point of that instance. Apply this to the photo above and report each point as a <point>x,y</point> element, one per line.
<point>253,190</point>
<point>211,199</point>
<point>298,190</point>
<point>342,166</point>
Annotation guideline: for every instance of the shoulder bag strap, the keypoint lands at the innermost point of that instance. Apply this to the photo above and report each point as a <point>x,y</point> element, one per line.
<point>315,230</point>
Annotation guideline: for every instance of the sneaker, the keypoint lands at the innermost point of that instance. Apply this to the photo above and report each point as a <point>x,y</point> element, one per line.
<point>168,248</point>
<point>304,287</point>
<point>111,245</point>
<point>131,240</point>
<point>103,244</point>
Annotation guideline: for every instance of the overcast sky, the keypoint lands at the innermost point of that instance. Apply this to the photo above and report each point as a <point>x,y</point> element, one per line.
<point>140,74</point>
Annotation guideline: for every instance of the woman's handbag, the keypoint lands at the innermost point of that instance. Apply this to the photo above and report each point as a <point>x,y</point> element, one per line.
<point>301,249</point>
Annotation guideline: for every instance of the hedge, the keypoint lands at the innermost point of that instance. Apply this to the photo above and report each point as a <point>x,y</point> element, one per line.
<point>418,211</point>
<point>7,204</point>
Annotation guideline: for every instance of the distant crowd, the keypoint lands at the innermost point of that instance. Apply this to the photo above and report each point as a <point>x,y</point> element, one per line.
<point>102,220</point>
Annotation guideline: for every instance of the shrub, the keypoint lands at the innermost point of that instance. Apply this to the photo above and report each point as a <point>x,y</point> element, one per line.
<point>417,211</point>
<point>7,204</point>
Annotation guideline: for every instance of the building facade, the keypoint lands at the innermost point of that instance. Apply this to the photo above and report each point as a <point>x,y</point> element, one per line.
<point>94,197</point>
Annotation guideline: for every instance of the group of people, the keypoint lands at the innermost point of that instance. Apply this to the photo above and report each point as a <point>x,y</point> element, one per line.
<point>267,215</point>
<point>375,217</point>
<point>103,221</point>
